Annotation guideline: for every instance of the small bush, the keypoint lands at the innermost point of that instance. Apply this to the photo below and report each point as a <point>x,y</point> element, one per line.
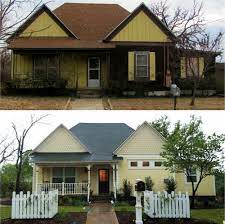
<point>171,185</point>
<point>127,188</point>
<point>149,183</point>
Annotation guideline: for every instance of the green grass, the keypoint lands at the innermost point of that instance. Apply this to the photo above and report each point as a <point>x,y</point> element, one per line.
<point>5,211</point>
<point>216,215</point>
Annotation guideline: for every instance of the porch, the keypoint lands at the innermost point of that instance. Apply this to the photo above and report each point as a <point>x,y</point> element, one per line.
<point>90,180</point>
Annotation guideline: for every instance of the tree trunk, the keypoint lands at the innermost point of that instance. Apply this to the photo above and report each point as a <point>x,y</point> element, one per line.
<point>193,94</point>
<point>193,200</point>
<point>18,176</point>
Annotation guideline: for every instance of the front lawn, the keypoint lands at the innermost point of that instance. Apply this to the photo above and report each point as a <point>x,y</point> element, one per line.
<point>5,211</point>
<point>166,103</point>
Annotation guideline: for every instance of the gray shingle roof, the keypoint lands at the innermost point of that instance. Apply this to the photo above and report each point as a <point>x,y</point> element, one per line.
<point>101,139</point>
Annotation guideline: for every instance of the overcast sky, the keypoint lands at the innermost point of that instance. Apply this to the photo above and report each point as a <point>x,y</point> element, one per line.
<point>213,120</point>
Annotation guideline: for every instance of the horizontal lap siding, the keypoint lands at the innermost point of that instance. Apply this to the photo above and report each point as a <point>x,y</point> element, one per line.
<point>206,188</point>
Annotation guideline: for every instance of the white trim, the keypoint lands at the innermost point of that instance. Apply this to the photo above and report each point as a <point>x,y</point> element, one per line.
<point>95,69</point>
<point>189,183</point>
<point>133,134</point>
<point>141,167</point>
<point>36,149</point>
<point>142,53</point>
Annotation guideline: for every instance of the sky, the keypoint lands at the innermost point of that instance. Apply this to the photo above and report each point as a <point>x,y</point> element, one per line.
<point>214,9</point>
<point>212,120</point>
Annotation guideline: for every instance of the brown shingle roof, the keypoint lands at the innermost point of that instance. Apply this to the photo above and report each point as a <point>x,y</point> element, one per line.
<point>91,21</point>
<point>57,43</point>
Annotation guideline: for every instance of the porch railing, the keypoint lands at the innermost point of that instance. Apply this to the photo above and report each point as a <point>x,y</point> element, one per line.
<point>64,188</point>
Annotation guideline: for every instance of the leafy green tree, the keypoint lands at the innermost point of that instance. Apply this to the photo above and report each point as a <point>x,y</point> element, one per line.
<point>188,149</point>
<point>220,178</point>
<point>8,174</point>
<point>162,125</point>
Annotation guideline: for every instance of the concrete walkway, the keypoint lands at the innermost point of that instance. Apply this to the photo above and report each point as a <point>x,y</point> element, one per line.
<point>86,104</point>
<point>101,213</point>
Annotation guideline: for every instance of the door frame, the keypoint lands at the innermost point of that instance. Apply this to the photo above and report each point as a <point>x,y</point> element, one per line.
<point>88,68</point>
<point>99,181</point>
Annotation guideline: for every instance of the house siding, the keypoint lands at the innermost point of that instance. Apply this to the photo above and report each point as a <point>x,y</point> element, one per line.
<point>44,26</point>
<point>141,29</point>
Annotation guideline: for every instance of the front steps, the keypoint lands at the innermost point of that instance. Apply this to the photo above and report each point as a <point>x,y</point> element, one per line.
<point>89,93</point>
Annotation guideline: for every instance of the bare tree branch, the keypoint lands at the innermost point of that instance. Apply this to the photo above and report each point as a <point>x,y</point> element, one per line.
<point>6,149</point>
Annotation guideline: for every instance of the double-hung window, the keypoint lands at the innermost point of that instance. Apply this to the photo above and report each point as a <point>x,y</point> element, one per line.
<point>61,174</point>
<point>142,65</point>
<point>192,177</point>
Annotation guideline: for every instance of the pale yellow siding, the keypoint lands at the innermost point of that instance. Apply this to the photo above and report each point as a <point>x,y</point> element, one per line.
<point>183,67</point>
<point>60,141</point>
<point>207,187</point>
<point>144,141</point>
<point>22,66</point>
<point>131,56</point>
<point>44,26</point>
<point>82,70</point>
<point>157,175</point>
<point>152,66</point>
<point>201,66</point>
<point>141,28</point>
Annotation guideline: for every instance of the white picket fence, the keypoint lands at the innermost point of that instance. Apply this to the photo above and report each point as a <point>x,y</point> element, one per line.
<point>34,206</point>
<point>164,205</point>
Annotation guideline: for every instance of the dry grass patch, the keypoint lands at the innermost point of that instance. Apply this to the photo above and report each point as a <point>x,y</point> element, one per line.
<point>208,103</point>
<point>32,103</point>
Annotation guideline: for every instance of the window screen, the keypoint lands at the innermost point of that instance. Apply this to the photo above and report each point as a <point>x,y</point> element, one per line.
<point>142,64</point>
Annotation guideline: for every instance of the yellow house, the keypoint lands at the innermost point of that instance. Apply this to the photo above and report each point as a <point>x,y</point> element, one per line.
<point>95,47</point>
<point>95,158</point>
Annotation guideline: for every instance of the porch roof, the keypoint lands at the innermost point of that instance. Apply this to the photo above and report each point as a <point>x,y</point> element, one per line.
<point>71,157</point>
<point>57,43</point>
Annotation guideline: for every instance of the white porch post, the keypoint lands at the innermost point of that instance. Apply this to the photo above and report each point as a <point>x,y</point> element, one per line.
<point>117,178</point>
<point>89,182</point>
<point>114,180</point>
<point>35,178</point>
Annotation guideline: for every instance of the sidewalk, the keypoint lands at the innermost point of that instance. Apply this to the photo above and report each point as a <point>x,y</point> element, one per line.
<point>86,104</point>
<point>101,213</point>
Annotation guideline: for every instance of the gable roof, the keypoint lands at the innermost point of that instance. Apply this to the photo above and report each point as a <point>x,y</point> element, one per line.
<point>132,135</point>
<point>102,138</point>
<point>66,148</point>
<point>43,8</point>
<point>149,13</point>
<point>91,21</point>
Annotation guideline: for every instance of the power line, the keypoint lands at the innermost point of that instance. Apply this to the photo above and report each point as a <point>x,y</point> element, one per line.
<point>213,21</point>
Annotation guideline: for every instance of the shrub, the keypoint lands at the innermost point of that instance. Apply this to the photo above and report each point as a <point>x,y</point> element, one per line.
<point>149,183</point>
<point>127,188</point>
<point>171,185</point>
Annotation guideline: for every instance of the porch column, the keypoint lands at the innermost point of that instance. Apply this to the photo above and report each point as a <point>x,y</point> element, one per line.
<point>117,177</point>
<point>35,178</point>
<point>89,182</point>
<point>114,180</point>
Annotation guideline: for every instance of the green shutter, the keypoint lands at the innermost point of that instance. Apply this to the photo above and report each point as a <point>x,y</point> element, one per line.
<point>152,71</point>
<point>201,66</point>
<point>130,66</point>
<point>182,67</point>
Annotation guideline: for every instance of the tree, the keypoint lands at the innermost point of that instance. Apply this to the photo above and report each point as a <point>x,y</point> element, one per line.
<point>20,138</point>
<point>188,149</point>
<point>6,149</point>
<point>192,40</point>
<point>8,176</point>
<point>162,125</point>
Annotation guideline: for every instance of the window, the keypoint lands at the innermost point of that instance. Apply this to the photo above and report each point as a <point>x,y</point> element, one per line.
<point>192,176</point>
<point>57,175</point>
<point>60,174</point>
<point>145,163</point>
<point>158,164</point>
<point>142,64</point>
<point>94,68</point>
<point>46,67</point>
<point>133,164</point>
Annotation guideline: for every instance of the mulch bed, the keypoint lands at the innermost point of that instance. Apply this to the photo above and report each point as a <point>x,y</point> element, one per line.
<point>78,218</point>
<point>129,218</point>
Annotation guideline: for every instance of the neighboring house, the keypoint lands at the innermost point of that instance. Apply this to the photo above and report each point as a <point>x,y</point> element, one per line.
<point>97,47</point>
<point>220,76</point>
<point>95,159</point>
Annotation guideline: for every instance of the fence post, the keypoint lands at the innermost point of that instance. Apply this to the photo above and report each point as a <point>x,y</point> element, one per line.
<point>63,188</point>
<point>13,212</point>
<point>138,207</point>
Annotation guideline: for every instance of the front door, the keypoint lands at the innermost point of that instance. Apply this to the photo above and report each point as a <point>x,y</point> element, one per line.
<point>94,72</point>
<point>103,177</point>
